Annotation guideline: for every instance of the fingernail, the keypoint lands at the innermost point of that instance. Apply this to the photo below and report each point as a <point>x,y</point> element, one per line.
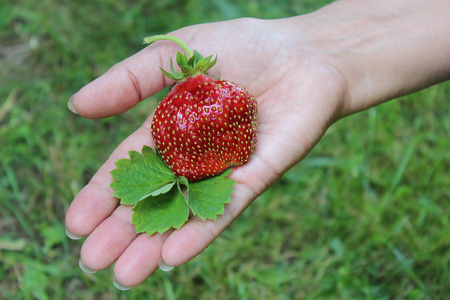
<point>84,268</point>
<point>71,106</point>
<point>72,236</point>
<point>165,267</point>
<point>120,286</point>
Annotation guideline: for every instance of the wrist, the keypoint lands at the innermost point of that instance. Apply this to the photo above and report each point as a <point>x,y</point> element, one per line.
<point>379,50</point>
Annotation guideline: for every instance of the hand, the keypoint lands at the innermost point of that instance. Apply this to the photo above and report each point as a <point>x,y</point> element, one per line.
<point>296,104</point>
<point>304,77</point>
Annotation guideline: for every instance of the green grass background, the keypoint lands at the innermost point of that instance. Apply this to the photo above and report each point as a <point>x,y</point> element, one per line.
<point>364,216</point>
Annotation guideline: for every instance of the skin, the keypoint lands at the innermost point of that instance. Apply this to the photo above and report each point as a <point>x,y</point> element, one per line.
<point>307,72</point>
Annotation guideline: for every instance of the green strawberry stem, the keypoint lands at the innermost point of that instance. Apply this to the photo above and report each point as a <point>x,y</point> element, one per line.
<point>191,65</point>
<point>161,37</point>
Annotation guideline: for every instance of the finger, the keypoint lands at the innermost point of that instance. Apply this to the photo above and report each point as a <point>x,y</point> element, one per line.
<point>92,204</point>
<point>125,84</point>
<point>140,259</point>
<point>109,240</point>
<point>95,202</point>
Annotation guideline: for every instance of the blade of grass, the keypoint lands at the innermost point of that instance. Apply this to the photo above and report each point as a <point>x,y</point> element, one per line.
<point>16,193</point>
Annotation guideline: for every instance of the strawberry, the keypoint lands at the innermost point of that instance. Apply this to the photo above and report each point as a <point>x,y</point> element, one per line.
<point>204,125</point>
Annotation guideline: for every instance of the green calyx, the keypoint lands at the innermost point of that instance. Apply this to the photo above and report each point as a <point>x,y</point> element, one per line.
<point>191,64</point>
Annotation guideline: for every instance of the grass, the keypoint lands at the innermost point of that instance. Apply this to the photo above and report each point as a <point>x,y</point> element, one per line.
<point>364,216</point>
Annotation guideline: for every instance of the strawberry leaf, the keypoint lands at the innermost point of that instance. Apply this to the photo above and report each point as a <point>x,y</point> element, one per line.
<point>208,196</point>
<point>140,176</point>
<point>160,213</point>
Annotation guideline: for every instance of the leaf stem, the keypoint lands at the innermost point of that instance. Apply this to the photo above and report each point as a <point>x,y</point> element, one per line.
<point>160,37</point>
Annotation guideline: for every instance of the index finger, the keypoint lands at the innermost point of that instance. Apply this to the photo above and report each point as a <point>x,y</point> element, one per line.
<point>125,84</point>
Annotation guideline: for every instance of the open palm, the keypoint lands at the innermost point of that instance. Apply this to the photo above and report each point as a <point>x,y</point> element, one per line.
<point>298,98</point>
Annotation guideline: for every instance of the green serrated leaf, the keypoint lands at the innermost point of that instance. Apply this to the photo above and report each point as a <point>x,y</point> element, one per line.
<point>140,175</point>
<point>207,197</point>
<point>160,213</point>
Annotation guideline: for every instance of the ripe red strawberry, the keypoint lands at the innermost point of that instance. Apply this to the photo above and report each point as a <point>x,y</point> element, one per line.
<point>203,126</point>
